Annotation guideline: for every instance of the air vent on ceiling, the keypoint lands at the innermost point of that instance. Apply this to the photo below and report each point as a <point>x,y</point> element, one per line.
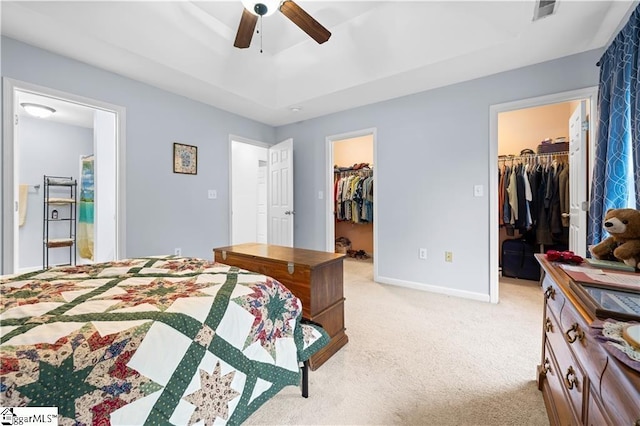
<point>543,9</point>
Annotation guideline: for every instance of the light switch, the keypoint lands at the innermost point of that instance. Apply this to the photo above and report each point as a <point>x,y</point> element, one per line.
<point>212,194</point>
<point>320,195</point>
<point>478,191</point>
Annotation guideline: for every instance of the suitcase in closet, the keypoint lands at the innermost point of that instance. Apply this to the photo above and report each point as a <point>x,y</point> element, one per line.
<point>518,260</point>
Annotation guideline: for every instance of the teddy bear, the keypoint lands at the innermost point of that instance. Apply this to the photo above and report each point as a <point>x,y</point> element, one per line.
<point>623,226</point>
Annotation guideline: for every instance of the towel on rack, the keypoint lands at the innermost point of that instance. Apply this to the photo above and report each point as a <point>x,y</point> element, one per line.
<point>22,203</point>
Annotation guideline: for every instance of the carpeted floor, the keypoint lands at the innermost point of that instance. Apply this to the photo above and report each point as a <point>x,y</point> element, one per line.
<point>417,358</point>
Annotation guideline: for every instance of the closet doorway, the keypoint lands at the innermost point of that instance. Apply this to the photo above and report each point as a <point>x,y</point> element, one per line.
<point>517,130</point>
<point>82,139</point>
<point>350,194</point>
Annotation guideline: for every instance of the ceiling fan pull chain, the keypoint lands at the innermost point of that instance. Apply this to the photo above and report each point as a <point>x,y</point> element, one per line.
<point>260,33</point>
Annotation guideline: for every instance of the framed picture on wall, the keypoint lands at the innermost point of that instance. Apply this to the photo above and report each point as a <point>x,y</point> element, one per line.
<point>185,159</point>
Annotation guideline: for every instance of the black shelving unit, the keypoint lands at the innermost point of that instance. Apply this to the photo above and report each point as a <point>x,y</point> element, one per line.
<point>59,217</point>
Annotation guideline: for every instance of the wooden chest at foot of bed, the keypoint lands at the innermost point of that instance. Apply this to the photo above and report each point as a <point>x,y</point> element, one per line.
<point>315,277</point>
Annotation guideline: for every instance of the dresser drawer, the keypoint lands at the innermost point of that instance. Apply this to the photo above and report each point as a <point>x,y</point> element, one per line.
<point>553,332</point>
<point>558,406</point>
<point>553,296</point>
<point>569,373</point>
<point>592,357</point>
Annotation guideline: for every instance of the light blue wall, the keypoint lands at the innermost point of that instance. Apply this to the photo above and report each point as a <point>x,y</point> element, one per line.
<point>47,148</point>
<point>163,210</point>
<point>432,148</point>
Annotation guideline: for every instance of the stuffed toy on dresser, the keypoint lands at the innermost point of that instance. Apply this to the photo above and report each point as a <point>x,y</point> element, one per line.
<point>623,226</point>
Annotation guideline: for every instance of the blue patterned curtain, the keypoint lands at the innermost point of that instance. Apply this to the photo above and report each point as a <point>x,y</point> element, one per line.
<point>616,174</point>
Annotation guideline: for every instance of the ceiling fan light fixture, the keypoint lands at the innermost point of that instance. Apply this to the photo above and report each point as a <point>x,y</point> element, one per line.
<point>37,110</point>
<point>262,7</point>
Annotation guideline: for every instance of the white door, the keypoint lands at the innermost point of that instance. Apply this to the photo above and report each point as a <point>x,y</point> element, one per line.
<point>578,128</point>
<point>281,194</point>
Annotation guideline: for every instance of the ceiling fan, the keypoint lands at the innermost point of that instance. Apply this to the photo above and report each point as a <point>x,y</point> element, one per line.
<point>254,9</point>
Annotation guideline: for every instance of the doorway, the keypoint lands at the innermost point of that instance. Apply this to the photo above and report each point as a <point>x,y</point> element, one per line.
<point>248,191</point>
<point>571,100</point>
<point>351,226</point>
<point>261,192</point>
<point>80,130</point>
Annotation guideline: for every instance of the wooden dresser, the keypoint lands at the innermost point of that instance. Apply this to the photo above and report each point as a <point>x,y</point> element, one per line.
<point>315,277</point>
<point>581,382</point>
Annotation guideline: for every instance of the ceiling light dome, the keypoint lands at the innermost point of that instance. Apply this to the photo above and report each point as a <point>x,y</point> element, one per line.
<point>262,7</point>
<point>37,110</point>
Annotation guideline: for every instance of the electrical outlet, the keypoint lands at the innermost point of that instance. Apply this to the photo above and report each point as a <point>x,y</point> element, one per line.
<point>448,256</point>
<point>212,194</point>
<point>422,253</point>
<point>177,251</point>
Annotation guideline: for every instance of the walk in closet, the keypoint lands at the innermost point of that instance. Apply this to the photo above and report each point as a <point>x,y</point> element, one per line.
<point>353,196</point>
<point>59,217</point>
<point>534,185</point>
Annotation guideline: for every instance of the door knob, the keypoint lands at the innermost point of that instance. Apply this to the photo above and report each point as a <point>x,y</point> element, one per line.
<point>290,212</point>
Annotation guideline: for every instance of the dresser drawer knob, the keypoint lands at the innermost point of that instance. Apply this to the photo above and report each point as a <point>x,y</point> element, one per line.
<point>570,379</point>
<point>550,293</point>
<point>574,333</point>
<point>548,326</point>
<point>547,366</point>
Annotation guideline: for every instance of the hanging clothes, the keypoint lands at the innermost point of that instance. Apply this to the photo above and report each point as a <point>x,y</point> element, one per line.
<point>354,194</point>
<point>534,195</point>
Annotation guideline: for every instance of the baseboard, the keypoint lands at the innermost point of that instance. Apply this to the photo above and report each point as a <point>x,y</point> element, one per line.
<point>435,289</point>
<point>28,269</point>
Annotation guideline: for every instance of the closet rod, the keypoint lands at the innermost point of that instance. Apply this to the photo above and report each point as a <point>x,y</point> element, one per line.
<point>532,156</point>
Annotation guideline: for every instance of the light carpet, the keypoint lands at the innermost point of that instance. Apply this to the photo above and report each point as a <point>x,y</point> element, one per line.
<point>418,358</point>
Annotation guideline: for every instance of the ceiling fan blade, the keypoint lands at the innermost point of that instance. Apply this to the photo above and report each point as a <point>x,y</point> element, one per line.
<point>245,29</point>
<point>303,20</point>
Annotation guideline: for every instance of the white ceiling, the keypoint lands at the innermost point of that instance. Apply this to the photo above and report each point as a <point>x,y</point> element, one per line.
<point>378,49</point>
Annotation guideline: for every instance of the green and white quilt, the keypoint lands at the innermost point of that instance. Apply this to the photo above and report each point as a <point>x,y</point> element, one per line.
<point>150,340</point>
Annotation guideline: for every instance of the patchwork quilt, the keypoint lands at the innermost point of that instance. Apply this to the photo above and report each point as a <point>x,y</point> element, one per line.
<point>150,340</point>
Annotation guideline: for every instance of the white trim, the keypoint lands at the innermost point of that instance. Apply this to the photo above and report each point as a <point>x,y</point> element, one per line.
<point>590,93</point>
<point>248,141</point>
<point>10,87</point>
<point>434,289</point>
<point>330,232</point>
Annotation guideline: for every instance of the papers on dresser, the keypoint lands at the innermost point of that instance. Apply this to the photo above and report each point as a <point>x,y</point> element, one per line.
<point>594,276</point>
<point>615,278</point>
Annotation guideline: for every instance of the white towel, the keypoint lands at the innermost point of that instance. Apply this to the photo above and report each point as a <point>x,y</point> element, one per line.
<point>22,203</point>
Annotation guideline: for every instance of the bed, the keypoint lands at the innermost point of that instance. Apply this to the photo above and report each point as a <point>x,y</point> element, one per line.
<point>150,340</point>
